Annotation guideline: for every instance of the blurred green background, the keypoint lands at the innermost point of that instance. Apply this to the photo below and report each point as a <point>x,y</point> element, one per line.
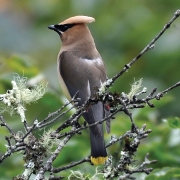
<point>122,29</point>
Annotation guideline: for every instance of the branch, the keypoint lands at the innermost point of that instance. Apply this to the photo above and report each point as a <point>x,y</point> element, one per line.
<point>56,115</point>
<point>147,48</point>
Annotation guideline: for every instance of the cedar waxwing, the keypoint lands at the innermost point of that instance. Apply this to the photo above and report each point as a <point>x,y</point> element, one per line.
<point>81,69</point>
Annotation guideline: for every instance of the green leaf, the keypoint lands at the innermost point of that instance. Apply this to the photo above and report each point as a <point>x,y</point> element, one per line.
<point>22,65</point>
<point>174,122</point>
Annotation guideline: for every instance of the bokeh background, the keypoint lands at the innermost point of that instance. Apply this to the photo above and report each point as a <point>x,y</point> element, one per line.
<point>122,29</point>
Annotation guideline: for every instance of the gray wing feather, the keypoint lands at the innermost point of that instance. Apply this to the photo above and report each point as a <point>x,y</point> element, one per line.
<point>83,76</point>
<point>77,73</point>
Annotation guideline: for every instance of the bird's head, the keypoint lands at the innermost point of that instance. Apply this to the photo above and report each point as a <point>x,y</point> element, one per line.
<point>73,29</point>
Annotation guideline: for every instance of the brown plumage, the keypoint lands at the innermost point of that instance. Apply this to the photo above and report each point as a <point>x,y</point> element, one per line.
<point>81,68</point>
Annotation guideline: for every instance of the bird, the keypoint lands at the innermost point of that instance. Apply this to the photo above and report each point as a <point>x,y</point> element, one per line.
<point>81,69</point>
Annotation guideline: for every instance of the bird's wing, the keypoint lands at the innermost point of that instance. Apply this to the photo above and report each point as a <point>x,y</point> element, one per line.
<point>81,75</point>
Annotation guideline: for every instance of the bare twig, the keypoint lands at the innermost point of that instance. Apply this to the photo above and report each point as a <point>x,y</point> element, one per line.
<point>161,94</point>
<point>5,124</point>
<point>73,164</point>
<point>147,48</point>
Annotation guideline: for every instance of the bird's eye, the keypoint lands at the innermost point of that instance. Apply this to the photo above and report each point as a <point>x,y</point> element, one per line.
<point>63,27</point>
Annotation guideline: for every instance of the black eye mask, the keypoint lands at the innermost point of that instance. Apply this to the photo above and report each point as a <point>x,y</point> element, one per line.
<point>63,27</point>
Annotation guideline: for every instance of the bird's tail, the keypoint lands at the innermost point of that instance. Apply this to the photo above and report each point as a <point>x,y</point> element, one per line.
<point>98,149</point>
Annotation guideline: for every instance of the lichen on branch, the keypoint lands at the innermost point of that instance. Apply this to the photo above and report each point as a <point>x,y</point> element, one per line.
<point>14,101</point>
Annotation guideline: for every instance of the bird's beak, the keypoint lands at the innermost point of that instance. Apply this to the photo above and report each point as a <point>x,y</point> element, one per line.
<point>52,27</point>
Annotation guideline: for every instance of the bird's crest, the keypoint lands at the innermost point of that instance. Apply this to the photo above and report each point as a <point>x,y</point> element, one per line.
<point>78,20</point>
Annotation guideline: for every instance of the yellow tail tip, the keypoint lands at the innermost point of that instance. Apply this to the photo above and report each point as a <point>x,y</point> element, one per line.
<point>98,160</point>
